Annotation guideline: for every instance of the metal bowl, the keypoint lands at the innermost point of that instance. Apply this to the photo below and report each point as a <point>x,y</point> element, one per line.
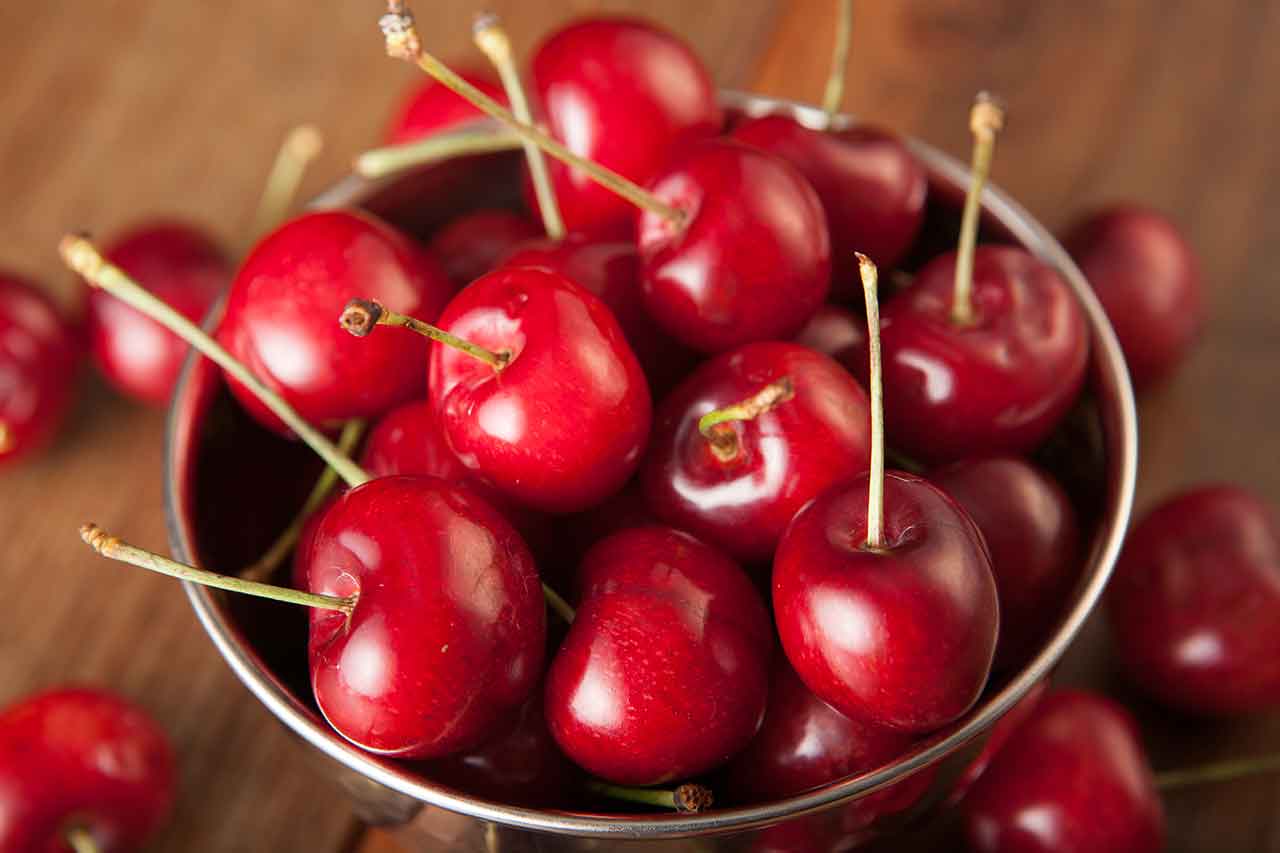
<point>212,449</point>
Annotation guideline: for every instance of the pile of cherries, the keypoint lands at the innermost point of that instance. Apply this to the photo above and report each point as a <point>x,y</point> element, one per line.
<point>659,410</point>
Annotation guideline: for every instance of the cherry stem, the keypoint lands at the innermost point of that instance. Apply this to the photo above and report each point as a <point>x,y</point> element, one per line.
<point>402,42</point>
<point>267,564</point>
<point>482,139</point>
<point>362,315</point>
<point>1222,771</point>
<point>300,147</point>
<point>724,442</point>
<point>986,119</point>
<point>687,798</point>
<point>833,94</point>
<point>875,485</point>
<point>114,549</point>
<point>558,604</point>
<point>492,39</point>
<point>84,258</point>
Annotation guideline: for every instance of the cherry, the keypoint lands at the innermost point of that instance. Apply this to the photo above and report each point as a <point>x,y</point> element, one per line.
<point>39,359</point>
<point>430,108</point>
<point>574,535</point>
<point>82,768</point>
<point>1148,281</point>
<point>999,736</point>
<point>749,439</point>
<point>471,245</point>
<point>836,332</point>
<point>1032,533</point>
<point>664,672</point>
<point>279,318</point>
<point>883,593</point>
<point>1072,777</point>
<point>1194,599</point>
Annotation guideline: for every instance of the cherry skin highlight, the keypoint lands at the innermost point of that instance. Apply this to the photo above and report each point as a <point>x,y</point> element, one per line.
<point>430,108</point>
<point>471,245</point>
<point>836,332</point>
<point>1194,599</point>
<point>664,672</point>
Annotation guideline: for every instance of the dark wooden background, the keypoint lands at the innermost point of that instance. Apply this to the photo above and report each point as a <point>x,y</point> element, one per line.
<point>114,111</point>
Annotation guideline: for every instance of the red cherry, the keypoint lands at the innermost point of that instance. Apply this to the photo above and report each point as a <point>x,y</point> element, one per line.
<point>738,484</point>
<point>1031,531</point>
<point>751,261</point>
<point>179,264</point>
<point>1194,599</point>
<point>430,108</point>
<point>1071,778</point>
<point>575,534</point>
<point>1148,280</point>
<point>872,189</point>
<point>625,94</point>
<point>999,736</point>
<point>81,759</point>
<point>836,332</point>
<point>664,672</point>
<point>471,245</point>
<point>39,359</point>
<point>446,638</point>
<point>559,426</point>
<point>282,314</point>
<point>306,541</point>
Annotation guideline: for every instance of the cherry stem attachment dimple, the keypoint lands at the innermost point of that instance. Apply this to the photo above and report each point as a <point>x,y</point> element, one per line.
<point>687,798</point>
<point>114,549</point>
<point>986,119</point>
<point>483,138</point>
<point>875,484</point>
<point>724,442</point>
<point>300,147</point>
<point>1221,771</point>
<point>84,258</point>
<point>403,42</point>
<point>81,840</point>
<point>833,94</point>
<point>362,315</point>
<point>492,39</point>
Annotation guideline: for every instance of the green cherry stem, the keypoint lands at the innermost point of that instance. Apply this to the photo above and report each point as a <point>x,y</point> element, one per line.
<point>875,486</point>
<point>1221,771</point>
<point>300,148</point>
<point>474,139</point>
<point>724,442</point>
<point>986,120</point>
<point>362,315</point>
<point>688,798</point>
<point>833,94</point>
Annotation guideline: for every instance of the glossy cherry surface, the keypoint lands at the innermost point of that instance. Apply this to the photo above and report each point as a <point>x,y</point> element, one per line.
<point>1194,599</point>
<point>81,758</point>
<point>562,424</point>
<point>281,317</point>
<point>39,358</point>
<point>1032,533</point>
<point>999,736</point>
<point>182,266</point>
<point>750,262</point>
<point>625,94</point>
<point>1072,778</point>
<point>471,245</point>
<point>872,189</point>
<point>664,672</point>
<point>1148,280</point>
<point>430,108</point>
<point>836,332</point>
<point>448,633</point>
<point>902,638</point>
<point>741,500</point>
<point>998,385</point>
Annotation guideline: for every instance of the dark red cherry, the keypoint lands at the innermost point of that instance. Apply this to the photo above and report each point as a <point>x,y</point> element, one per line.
<point>39,359</point>
<point>751,260</point>
<point>1031,531</point>
<point>872,189</point>
<point>79,759</point>
<point>471,245</point>
<point>625,94</point>
<point>1071,778</point>
<point>902,637</point>
<point>429,108</point>
<point>282,313</point>
<point>999,736</point>
<point>1148,280</point>
<point>182,266</point>
<point>837,332</point>
<point>999,384</point>
<point>561,425</point>
<point>448,632</point>
<point>1194,600</point>
<point>739,486</point>
<point>664,672</point>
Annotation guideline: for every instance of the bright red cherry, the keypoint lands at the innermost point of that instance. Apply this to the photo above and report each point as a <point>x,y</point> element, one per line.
<point>181,265</point>
<point>664,672</point>
<point>1071,778</point>
<point>836,332</point>
<point>561,423</point>
<point>625,94</point>
<point>39,359</point>
<point>737,483</point>
<point>430,108</point>
<point>1148,280</point>
<point>282,313</point>
<point>751,258</point>
<point>1194,599</point>
<point>81,760</point>
<point>1031,531</point>
<point>471,245</point>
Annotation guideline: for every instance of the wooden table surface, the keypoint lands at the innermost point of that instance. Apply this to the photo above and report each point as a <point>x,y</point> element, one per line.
<point>111,112</point>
